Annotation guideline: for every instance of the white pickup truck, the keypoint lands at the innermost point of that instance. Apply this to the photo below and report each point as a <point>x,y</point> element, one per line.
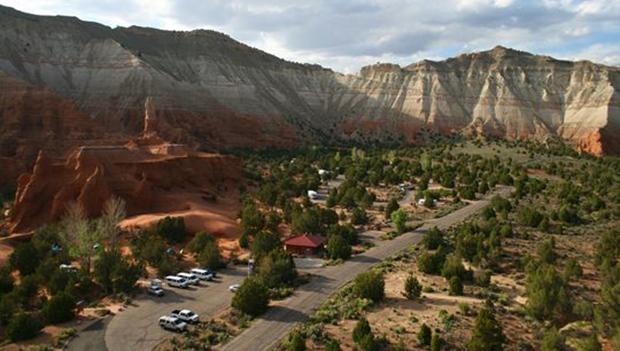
<point>186,316</point>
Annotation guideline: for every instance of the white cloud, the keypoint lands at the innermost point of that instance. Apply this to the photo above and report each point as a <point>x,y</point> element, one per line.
<point>347,34</point>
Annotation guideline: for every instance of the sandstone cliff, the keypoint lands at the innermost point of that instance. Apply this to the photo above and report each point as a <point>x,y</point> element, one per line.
<point>150,175</point>
<point>211,92</point>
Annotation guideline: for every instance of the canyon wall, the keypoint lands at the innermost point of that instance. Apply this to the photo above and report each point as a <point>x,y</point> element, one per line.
<point>79,82</point>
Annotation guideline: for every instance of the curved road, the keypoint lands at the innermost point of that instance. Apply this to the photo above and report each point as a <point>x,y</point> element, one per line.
<point>276,323</point>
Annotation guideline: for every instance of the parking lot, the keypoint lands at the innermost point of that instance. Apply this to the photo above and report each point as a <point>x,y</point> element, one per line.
<point>137,328</point>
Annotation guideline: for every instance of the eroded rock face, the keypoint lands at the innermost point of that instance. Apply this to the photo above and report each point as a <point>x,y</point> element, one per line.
<point>145,174</point>
<point>208,91</point>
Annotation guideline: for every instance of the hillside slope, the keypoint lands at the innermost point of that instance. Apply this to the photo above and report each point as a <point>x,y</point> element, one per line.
<point>212,92</point>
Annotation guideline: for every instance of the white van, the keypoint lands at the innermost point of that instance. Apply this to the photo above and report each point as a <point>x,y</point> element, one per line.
<point>202,273</point>
<point>176,282</point>
<point>191,278</point>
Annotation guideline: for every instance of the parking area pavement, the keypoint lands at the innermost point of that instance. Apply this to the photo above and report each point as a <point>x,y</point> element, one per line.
<point>136,327</point>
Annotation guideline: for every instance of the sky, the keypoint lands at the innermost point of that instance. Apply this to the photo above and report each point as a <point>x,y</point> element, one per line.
<point>347,34</point>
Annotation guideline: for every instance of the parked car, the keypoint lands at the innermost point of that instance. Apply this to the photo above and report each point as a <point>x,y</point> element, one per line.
<point>202,274</point>
<point>155,289</point>
<point>214,273</point>
<point>177,282</point>
<point>190,277</point>
<point>185,315</point>
<point>172,323</point>
<point>234,288</point>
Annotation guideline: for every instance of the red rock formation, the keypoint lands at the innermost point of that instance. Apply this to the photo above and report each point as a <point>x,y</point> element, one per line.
<point>143,178</point>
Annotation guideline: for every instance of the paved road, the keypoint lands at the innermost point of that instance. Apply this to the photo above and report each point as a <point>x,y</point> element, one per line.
<point>274,325</point>
<point>136,328</point>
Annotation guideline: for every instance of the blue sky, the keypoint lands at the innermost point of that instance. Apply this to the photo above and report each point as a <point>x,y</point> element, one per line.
<point>348,34</point>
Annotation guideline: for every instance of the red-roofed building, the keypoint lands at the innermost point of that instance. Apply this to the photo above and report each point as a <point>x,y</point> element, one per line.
<point>305,244</point>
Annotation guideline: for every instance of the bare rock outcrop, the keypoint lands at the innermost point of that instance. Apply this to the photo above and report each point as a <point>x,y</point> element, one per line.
<point>144,179</point>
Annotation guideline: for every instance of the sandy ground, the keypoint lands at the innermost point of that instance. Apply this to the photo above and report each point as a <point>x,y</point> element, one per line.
<point>215,217</point>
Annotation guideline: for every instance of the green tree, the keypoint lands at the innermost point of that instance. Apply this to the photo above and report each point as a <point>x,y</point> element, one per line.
<point>362,328</point>
<point>487,334</point>
<point>370,285</point>
<point>425,335</point>
<point>338,248</point>
<point>78,235</point>
<point>210,256</point>
<point>413,288</point>
<point>114,211</point>
<point>252,298</point>
<point>27,289</point>
<point>546,251</point>
<point>25,258</point>
<point>23,327</point>
<point>399,218</point>
<point>60,308</point>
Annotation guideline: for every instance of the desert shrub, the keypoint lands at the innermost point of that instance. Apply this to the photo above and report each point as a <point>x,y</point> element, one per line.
<point>391,207</point>
<point>552,341</point>
<point>23,327</point>
<point>431,263</point>
<point>487,334</point>
<point>369,343</point>
<point>25,258</point>
<point>399,218</point>
<point>425,335</point>
<point>456,286</point>
<point>359,216</point>
<point>362,328</point>
<point>453,267</point>
<point>370,285</point>
<point>413,288</point>
<point>6,280</point>
<point>8,306</point>
<point>546,251</point>
<point>296,342</point>
<point>60,308</point>
<point>529,216</point>
<point>547,293</point>
<point>433,239</point>
<point>483,278</point>
<point>436,342</point>
<point>252,298</point>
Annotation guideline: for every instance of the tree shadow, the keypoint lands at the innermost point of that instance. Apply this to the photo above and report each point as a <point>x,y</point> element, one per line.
<point>284,314</point>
